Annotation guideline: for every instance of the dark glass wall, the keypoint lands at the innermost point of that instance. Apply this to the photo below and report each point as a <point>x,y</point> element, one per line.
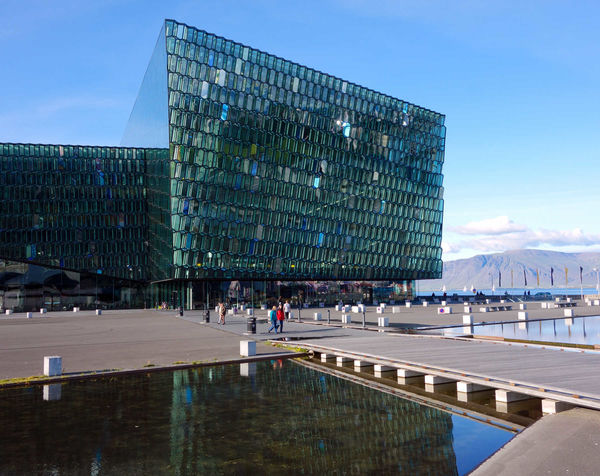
<point>75,208</point>
<point>281,171</point>
<point>29,287</point>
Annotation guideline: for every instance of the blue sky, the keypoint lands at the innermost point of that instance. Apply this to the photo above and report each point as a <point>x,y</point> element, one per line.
<point>517,81</point>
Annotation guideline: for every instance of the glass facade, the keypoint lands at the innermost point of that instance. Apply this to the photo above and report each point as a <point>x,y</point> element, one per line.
<point>278,171</point>
<point>240,166</point>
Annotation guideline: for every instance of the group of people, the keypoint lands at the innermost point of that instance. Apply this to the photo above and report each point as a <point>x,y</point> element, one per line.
<point>278,315</point>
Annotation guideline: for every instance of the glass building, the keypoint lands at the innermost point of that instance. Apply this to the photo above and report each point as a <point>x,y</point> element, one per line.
<point>239,171</point>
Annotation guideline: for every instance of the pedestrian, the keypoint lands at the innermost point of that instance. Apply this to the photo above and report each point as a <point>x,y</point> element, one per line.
<point>222,313</point>
<point>280,318</point>
<point>273,319</point>
<point>287,309</point>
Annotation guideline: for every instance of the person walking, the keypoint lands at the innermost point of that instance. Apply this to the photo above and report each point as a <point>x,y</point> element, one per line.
<point>280,318</point>
<point>222,313</point>
<point>273,319</point>
<point>287,309</point>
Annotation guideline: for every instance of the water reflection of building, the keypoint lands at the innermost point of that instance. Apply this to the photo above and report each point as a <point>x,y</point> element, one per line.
<point>298,420</point>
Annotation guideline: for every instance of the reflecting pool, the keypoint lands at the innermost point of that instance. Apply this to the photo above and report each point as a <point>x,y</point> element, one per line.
<point>572,330</point>
<point>273,417</point>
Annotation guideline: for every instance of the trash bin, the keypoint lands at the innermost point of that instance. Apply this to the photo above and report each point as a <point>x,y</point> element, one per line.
<point>251,325</point>
<point>180,311</point>
<point>207,316</point>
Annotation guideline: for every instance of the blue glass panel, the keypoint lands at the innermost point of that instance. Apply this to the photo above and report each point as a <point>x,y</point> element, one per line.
<point>148,124</point>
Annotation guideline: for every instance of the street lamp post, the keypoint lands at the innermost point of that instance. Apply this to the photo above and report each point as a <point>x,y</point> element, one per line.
<point>597,270</point>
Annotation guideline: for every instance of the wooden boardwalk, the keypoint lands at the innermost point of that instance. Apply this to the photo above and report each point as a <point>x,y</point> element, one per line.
<point>547,373</point>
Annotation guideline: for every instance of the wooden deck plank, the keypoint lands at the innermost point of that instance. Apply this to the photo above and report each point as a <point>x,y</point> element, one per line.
<point>569,372</point>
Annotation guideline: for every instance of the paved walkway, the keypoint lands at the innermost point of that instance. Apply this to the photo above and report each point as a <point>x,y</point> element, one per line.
<point>565,443</point>
<point>115,340</point>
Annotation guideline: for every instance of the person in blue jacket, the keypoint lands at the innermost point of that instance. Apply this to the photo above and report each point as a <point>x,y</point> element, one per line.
<point>273,319</point>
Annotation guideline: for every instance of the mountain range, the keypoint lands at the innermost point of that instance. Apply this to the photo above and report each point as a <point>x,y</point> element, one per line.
<point>513,267</point>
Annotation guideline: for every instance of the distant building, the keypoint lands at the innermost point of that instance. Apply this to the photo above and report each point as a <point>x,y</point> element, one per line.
<point>239,170</point>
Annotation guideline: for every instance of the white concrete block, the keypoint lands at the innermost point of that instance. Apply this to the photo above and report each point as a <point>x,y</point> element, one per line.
<point>317,316</point>
<point>468,330</point>
<point>484,309</point>
<point>326,357</point>
<point>488,301</point>
<point>355,309</point>
<point>568,299</point>
<point>425,304</point>
<point>52,365</point>
<point>337,307</point>
<point>557,299</point>
<point>8,312</point>
<point>362,364</point>
<point>444,310</point>
<point>502,301</point>
<point>379,310</point>
<point>569,312</point>
<point>383,305</point>
<point>406,373</point>
<point>250,312</point>
<point>217,309</point>
<point>568,322</point>
<point>395,310</point>
<point>437,379</point>
<point>522,315</point>
<point>361,308</point>
<point>383,368</point>
<point>544,305</point>
<point>383,321</point>
<point>507,396</point>
<point>467,319</point>
<point>596,302</point>
<point>29,315</point>
<point>75,309</point>
<point>522,306</point>
<point>552,406</point>
<point>408,304</point>
<point>444,303</point>
<point>263,307</point>
<point>247,348</point>
<point>230,312</point>
<point>346,319</point>
<point>243,307</point>
<point>248,369</point>
<point>52,392</point>
<point>467,387</point>
<point>43,310</point>
<point>467,309</point>
<point>340,361</point>
<point>98,312</point>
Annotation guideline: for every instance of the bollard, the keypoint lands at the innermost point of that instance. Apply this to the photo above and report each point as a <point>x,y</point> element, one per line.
<point>328,316</point>
<point>98,312</point>
<point>52,365</point>
<point>299,307</point>
<point>206,316</point>
<point>364,320</point>
<point>247,348</point>
<point>180,311</point>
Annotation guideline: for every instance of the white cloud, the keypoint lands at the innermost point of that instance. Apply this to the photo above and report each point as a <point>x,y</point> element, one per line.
<point>491,226</point>
<point>501,234</point>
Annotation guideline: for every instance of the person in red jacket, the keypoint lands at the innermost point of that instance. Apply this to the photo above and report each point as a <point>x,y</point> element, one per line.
<point>280,318</point>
